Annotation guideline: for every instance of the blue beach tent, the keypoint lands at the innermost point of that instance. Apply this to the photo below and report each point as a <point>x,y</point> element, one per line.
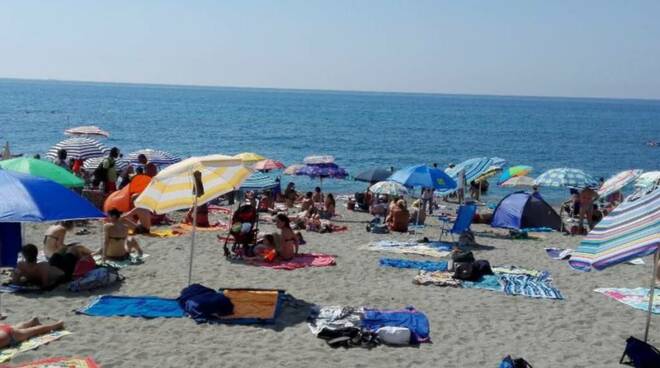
<point>521,210</point>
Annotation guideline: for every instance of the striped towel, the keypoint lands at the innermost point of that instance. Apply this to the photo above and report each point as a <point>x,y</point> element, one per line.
<point>531,286</point>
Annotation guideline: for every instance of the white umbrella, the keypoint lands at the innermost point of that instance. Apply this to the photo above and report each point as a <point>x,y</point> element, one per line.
<point>87,130</point>
<point>389,188</point>
<point>79,148</point>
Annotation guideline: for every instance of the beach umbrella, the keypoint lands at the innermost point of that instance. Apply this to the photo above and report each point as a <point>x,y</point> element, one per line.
<point>389,187</point>
<point>249,157</point>
<point>43,169</point>
<point>514,171</point>
<point>259,181</point>
<point>518,182</point>
<point>293,169</point>
<point>373,175</point>
<point>190,183</point>
<point>475,167</point>
<point>87,130</point>
<point>156,157</point>
<point>630,231</point>
<point>92,163</point>
<point>489,173</point>
<point>423,176</point>
<point>27,198</point>
<point>648,179</point>
<point>319,159</point>
<point>78,148</point>
<point>268,165</point>
<point>617,182</point>
<point>322,171</point>
<point>566,177</point>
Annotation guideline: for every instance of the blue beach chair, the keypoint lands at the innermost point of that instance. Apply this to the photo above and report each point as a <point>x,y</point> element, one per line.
<point>463,221</point>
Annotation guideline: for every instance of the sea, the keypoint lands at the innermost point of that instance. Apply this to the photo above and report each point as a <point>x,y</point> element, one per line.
<point>361,130</point>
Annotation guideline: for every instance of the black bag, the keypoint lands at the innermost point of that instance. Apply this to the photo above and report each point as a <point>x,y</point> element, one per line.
<point>101,173</point>
<point>641,354</point>
<point>465,271</point>
<point>482,267</point>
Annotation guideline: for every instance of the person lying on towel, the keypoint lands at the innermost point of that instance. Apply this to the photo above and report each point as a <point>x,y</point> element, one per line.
<point>11,336</point>
<point>31,272</point>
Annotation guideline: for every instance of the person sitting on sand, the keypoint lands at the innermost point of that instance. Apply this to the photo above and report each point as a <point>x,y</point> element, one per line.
<point>306,202</point>
<point>117,245</point>
<point>29,271</point>
<point>290,194</point>
<point>54,238</point>
<point>587,198</point>
<point>418,215</point>
<point>11,336</point>
<point>288,246</point>
<point>329,207</point>
<point>398,218</point>
<point>312,219</point>
<point>202,219</point>
<point>317,197</point>
<point>266,204</point>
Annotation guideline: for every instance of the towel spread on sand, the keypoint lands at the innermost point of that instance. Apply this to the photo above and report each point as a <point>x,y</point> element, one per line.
<point>562,254</point>
<point>488,282</point>
<point>537,229</point>
<point>515,270</point>
<point>218,226</point>
<point>14,288</point>
<point>420,265</point>
<point>163,233</point>
<point>30,344</point>
<point>431,249</point>
<point>132,306</point>
<point>300,261</point>
<point>132,261</point>
<point>61,362</point>
<point>437,278</point>
<point>530,286</point>
<point>637,298</point>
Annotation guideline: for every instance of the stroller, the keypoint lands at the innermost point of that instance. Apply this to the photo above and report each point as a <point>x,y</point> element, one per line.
<point>242,232</point>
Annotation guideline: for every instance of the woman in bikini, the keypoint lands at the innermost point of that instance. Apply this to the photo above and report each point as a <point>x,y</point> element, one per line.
<point>117,244</point>
<point>330,205</point>
<point>288,241</point>
<point>54,238</point>
<point>13,335</point>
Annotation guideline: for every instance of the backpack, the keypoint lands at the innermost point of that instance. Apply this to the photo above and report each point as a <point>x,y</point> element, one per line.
<point>509,362</point>
<point>96,278</point>
<point>641,354</point>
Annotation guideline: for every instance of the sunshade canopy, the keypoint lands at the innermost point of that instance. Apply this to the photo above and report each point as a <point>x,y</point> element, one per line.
<point>43,169</point>
<point>79,148</point>
<point>423,176</point>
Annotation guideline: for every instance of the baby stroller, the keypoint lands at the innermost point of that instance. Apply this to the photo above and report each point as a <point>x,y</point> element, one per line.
<point>242,232</point>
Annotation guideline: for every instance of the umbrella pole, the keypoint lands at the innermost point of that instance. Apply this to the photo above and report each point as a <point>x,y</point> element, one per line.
<point>656,255</point>
<point>192,236</point>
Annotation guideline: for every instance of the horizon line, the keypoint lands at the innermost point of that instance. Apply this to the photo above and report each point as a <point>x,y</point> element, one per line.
<point>322,90</point>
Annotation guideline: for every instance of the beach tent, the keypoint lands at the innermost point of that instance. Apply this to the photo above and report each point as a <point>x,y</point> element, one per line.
<point>522,210</point>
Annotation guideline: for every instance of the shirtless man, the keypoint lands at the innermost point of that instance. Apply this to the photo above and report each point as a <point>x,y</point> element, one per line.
<point>587,198</point>
<point>30,271</point>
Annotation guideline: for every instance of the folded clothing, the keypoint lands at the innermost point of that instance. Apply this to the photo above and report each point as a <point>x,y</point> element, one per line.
<point>409,317</point>
<point>420,265</point>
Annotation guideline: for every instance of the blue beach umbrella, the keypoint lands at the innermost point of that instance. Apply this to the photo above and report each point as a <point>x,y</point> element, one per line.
<point>566,177</point>
<point>423,176</point>
<point>27,198</point>
<point>474,167</point>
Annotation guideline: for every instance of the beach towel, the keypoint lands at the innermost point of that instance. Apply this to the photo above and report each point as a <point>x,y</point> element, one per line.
<point>420,265</point>
<point>637,298</point>
<point>437,278</point>
<point>537,229</point>
<point>132,261</point>
<point>218,226</point>
<point>515,270</point>
<point>163,233</point>
<point>219,209</point>
<point>300,261</point>
<point>31,344</point>
<point>132,306</point>
<point>61,362</point>
<point>431,249</point>
<point>333,318</point>
<point>410,318</point>
<point>14,288</point>
<point>252,306</point>
<point>559,253</point>
<point>530,286</point>
<point>488,282</point>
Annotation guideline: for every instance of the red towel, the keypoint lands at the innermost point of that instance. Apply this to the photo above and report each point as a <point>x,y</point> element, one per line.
<point>300,261</point>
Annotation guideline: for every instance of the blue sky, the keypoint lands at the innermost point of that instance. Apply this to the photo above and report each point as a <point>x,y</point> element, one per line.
<point>515,47</point>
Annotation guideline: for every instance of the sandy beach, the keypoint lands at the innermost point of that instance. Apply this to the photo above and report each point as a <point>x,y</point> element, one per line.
<point>469,327</point>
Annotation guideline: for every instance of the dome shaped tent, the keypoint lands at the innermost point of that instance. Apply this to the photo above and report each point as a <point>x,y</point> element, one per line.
<point>522,210</point>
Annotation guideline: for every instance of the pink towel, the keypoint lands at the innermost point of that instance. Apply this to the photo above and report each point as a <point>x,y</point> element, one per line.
<point>300,261</point>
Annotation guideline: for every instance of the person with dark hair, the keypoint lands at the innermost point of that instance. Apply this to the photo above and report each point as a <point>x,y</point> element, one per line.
<point>117,244</point>
<point>290,194</point>
<point>329,207</point>
<point>29,271</point>
<point>109,164</point>
<point>61,159</point>
<point>306,202</point>
<point>286,242</point>
<point>317,197</point>
<point>13,335</point>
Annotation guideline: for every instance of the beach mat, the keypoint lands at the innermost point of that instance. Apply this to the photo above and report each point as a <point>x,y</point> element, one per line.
<point>132,306</point>
<point>419,265</point>
<point>13,288</point>
<point>252,306</point>
<point>300,261</point>
<point>132,261</point>
<point>487,282</point>
<point>61,362</point>
<point>7,354</point>
<point>163,233</point>
<point>529,286</point>
<point>637,298</point>
<point>431,249</point>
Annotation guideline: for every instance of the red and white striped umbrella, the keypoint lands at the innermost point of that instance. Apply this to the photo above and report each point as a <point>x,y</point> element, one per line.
<point>87,130</point>
<point>268,165</point>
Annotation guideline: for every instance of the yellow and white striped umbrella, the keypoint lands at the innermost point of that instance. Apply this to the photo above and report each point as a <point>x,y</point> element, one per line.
<point>172,188</point>
<point>249,157</point>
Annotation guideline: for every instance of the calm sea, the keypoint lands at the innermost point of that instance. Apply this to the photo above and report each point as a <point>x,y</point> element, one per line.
<point>362,130</point>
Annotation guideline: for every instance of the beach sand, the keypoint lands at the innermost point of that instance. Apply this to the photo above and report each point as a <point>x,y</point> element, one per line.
<point>469,327</point>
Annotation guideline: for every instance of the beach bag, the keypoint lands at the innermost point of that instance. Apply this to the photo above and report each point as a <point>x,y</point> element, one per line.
<point>640,354</point>
<point>509,362</point>
<point>203,303</point>
<point>83,266</point>
<point>95,279</point>
<point>393,335</point>
<point>482,267</point>
<point>465,271</point>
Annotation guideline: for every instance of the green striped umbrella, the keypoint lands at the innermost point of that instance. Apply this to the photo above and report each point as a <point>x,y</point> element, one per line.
<point>42,169</point>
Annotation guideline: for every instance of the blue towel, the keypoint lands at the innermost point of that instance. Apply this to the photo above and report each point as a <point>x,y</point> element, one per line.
<point>488,282</point>
<point>133,306</point>
<point>420,265</point>
<point>537,230</point>
<point>533,287</point>
<point>415,321</point>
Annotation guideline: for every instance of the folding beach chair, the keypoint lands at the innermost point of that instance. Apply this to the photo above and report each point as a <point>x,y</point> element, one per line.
<point>243,231</point>
<point>463,221</point>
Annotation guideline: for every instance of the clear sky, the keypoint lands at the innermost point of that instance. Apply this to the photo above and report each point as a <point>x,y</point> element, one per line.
<point>607,48</point>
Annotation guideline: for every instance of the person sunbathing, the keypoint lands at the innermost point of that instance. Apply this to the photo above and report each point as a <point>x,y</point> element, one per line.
<point>307,202</point>
<point>202,219</point>
<point>329,207</point>
<point>31,272</point>
<point>11,336</point>
<point>398,218</point>
<point>54,238</point>
<point>288,246</point>
<point>117,244</point>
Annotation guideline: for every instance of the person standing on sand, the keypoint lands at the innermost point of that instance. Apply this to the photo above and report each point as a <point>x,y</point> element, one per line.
<point>587,198</point>
<point>109,164</point>
<point>61,159</point>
